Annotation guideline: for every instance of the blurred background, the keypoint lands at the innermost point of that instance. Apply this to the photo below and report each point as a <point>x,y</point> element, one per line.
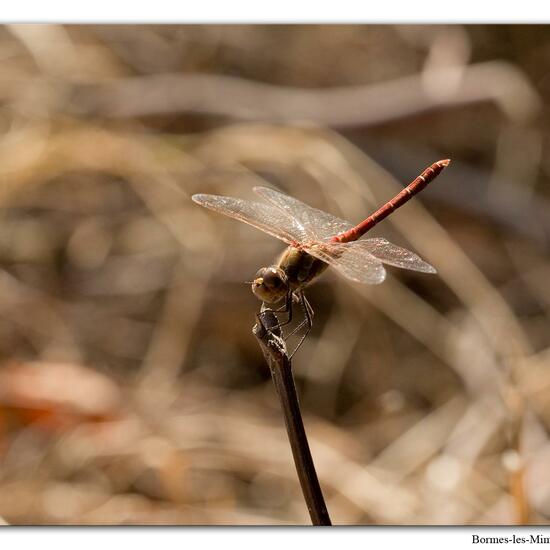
<point>131,388</point>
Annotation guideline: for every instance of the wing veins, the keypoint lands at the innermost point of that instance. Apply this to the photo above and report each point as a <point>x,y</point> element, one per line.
<point>317,224</point>
<point>262,216</point>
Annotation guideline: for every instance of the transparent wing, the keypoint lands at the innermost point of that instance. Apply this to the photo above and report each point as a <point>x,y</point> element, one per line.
<point>354,262</point>
<point>265,217</point>
<point>362,260</point>
<point>317,224</point>
<point>394,255</point>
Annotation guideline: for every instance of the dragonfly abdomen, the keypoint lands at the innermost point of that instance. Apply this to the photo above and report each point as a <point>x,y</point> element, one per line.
<point>419,183</point>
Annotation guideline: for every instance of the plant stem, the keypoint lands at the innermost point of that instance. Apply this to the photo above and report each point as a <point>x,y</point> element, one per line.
<point>280,366</point>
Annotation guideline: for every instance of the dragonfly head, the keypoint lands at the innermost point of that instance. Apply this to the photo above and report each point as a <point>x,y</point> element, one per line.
<point>270,284</point>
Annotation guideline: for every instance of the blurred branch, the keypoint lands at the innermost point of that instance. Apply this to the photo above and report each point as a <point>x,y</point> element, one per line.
<point>495,81</point>
<point>276,357</point>
<point>433,394</point>
<point>50,46</point>
<point>471,189</point>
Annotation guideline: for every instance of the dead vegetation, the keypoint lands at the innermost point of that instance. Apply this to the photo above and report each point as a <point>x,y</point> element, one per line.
<point>132,389</point>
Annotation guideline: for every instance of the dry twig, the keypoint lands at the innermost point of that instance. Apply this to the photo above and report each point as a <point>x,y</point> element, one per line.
<point>276,357</point>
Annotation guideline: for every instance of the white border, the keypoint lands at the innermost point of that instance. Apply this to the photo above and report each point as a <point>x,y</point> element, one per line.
<point>276,11</point>
<point>319,538</point>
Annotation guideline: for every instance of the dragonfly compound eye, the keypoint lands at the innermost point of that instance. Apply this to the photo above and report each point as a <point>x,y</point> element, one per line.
<point>270,284</point>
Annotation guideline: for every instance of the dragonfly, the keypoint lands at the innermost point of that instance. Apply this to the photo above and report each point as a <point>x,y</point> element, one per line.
<point>317,240</point>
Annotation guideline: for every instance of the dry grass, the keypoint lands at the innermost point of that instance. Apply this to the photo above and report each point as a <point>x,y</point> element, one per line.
<point>132,389</point>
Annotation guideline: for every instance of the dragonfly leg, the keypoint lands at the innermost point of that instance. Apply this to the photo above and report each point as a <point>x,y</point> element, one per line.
<point>307,322</point>
<point>285,308</point>
<point>308,316</point>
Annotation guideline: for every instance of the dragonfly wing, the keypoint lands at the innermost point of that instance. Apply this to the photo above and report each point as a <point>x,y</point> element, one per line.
<point>265,217</point>
<point>391,254</point>
<point>355,263</point>
<point>319,225</point>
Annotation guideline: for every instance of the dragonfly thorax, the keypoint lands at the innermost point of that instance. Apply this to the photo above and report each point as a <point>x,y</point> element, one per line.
<point>270,284</point>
